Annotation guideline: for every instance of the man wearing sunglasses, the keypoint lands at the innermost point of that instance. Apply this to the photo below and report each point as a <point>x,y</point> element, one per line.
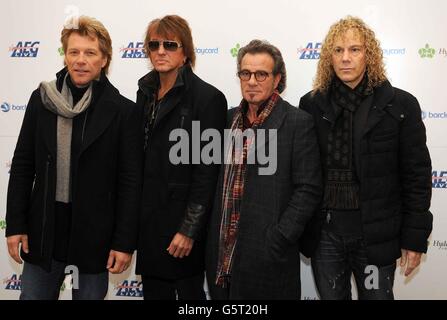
<point>258,218</point>
<point>176,197</point>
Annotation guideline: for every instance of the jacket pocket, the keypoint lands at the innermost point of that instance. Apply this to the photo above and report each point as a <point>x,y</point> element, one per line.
<point>385,135</point>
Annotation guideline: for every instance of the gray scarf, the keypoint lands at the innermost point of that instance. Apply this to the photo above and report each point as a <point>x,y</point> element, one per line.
<point>61,103</point>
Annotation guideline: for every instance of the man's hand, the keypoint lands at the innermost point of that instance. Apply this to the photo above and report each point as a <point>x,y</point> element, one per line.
<point>13,246</point>
<point>118,261</point>
<point>411,259</point>
<point>180,246</point>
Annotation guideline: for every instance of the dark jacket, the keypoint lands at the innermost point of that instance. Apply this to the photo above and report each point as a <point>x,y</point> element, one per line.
<point>275,209</point>
<point>393,167</point>
<point>105,174</point>
<point>176,197</point>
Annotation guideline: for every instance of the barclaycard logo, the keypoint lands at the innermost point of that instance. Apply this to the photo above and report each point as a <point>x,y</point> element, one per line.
<point>433,115</point>
<point>25,49</point>
<point>203,51</point>
<point>394,51</point>
<point>6,107</point>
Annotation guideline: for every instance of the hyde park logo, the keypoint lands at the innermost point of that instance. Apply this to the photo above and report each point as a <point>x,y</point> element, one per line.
<point>234,51</point>
<point>440,244</point>
<point>429,52</point>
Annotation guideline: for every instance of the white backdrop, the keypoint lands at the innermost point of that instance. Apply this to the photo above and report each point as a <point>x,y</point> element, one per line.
<point>412,33</point>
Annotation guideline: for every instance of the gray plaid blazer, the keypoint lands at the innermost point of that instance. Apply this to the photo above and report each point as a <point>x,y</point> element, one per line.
<point>275,210</point>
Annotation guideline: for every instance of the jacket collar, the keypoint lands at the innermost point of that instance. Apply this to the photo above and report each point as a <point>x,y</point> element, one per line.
<point>150,82</point>
<point>100,113</point>
<point>149,85</point>
<point>273,121</point>
<point>98,85</point>
<point>383,95</point>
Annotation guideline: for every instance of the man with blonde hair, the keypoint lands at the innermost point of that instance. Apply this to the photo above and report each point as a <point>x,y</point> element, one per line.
<point>75,177</point>
<point>376,165</point>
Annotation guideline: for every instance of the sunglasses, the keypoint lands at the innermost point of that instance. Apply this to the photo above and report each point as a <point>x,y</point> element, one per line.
<point>168,45</point>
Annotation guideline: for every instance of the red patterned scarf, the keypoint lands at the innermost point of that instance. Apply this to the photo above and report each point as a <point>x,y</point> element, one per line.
<point>233,185</point>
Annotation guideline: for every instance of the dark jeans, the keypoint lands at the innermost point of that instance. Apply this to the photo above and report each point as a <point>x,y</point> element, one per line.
<point>38,284</point>
<point>337,258</point>
<point>183,289</point>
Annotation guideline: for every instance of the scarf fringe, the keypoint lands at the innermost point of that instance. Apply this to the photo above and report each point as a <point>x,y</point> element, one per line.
<point>341,195</point>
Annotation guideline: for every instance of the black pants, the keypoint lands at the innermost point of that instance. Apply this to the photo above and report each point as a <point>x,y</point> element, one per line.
<point>183,289</point>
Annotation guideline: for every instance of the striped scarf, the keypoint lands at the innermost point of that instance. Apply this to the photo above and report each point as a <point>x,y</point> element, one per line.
<point>233,185</point>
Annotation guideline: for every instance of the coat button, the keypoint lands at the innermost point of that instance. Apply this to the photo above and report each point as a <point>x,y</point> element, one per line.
<point>402,116</point>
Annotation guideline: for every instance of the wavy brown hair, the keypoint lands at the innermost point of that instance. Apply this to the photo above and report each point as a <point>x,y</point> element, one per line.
<point>375,67</point>
<point>92,28</point>
<point>172,25</point>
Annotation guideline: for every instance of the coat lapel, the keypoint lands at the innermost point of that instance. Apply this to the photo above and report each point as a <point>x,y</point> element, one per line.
<point>49,130</point>
<point>327,111</point>
<point>149,85</point>
<point>273,122</point>
<point>382,96</point>
<point>360,119</point>
<point>101,117</point>
<point>167,107</point>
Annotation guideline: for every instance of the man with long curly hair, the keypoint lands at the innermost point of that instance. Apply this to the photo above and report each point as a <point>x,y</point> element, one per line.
<point>376,165</point>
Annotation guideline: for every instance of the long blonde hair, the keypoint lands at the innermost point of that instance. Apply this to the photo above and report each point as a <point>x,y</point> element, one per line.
<point>375,67</point>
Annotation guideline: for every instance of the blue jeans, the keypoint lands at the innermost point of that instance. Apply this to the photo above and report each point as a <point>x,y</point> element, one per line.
<point>337,258</point>
<point>38,284</point>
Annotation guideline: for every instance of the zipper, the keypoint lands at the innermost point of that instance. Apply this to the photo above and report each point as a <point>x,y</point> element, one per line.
<point>83,126</point>
<point>44,219</point>
<point>183,112</point>
<point>182,120</point>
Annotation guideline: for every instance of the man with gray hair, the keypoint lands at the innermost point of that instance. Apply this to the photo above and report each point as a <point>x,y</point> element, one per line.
<point>258,216</point>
